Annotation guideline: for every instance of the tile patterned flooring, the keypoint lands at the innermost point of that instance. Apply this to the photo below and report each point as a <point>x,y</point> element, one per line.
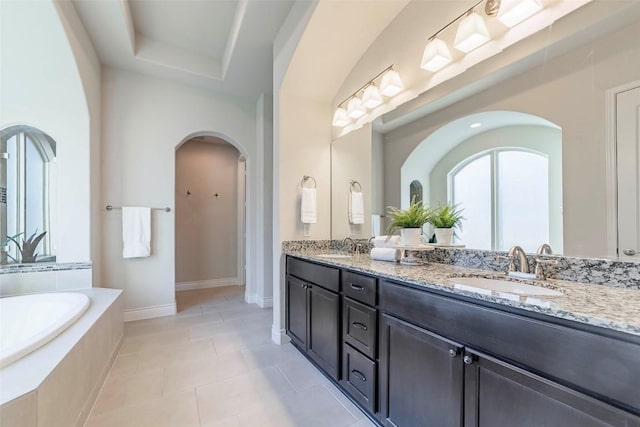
<point>213,364</point>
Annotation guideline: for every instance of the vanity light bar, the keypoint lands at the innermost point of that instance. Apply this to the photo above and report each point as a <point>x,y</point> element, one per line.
<point>356,107</point>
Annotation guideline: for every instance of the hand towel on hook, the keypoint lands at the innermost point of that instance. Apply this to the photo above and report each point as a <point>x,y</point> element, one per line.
<point>356,207</point>
<point>136,232</point>
<point>308,213</point>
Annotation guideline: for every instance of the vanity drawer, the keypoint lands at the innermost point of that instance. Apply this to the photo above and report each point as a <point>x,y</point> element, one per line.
<point>359,326</point>
<point>359,377</point>
<point>360,288</point>
<point>326,277</point>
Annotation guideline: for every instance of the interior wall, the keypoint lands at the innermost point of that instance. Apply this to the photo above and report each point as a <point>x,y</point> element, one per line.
<point>144,120</point>
<point>570,92</point>
<point>207,218</point>
<point>42,87</point>
<point>351,157</point>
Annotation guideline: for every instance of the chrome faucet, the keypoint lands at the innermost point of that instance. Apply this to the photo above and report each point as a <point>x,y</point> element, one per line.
<point>517,251</point>
<point>544,249</point>
<point>352,245</point>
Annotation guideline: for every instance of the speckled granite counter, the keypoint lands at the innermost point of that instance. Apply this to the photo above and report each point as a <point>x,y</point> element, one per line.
<point>613,308</point>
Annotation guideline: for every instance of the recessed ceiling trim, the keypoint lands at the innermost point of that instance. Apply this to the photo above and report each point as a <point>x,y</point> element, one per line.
<point>233,35</point>
<point>128,24</point>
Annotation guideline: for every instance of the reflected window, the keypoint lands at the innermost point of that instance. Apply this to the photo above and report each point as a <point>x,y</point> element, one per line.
<point>415,191</point>
<point>505,197</point>
<point>28,178</point>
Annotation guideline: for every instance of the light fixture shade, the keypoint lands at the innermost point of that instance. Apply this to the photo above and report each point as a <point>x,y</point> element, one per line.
<point>371,97</point>
<point>340,118</point>
<point>436,55</point>
<point>472,33</point>
<point>391,84</point>
<point>355,110</point>
<point>513,12</point>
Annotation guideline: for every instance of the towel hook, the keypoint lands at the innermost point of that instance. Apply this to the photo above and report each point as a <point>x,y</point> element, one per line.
<point>353,185</point>
<point>306,178</point>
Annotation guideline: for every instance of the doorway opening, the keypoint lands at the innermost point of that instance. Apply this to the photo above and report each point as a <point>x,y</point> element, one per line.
<point>210,215</point>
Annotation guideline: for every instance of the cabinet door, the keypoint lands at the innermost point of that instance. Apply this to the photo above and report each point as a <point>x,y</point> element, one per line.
<point>421,377</point>
<point>297,313</point>
<point>500,394</point>
<point>323,344</point>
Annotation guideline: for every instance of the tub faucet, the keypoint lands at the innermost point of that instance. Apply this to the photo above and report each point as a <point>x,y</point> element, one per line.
<point>517,251</point>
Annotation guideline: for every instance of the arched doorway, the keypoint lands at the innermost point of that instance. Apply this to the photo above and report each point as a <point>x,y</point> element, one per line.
<point>210,195</point>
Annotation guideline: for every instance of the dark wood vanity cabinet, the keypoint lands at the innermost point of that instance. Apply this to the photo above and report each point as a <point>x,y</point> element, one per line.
<point>413,357</point>
<point>313,313</point>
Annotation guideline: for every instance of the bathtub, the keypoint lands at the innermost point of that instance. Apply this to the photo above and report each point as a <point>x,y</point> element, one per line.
<point>30,321</point>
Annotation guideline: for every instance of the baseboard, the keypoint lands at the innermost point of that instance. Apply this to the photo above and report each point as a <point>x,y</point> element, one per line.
<point>279,336</point>
<point>150,312</point>
<point>250,298</point>
<point>265,302</point>
<point>211,283</point>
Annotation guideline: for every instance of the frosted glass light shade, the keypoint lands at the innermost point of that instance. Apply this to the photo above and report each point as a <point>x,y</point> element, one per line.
<point>340,118</point>
<point>436,55</point>
<point>391,84</point>
<point>371,97</point>
<point>355,110</point>
<point>513,12</point>
<point>472,33</point>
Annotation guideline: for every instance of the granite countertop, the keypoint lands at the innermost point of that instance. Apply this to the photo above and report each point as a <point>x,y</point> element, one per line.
<point>612,308</point>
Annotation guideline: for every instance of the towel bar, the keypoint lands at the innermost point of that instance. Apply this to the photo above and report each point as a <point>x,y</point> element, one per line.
<point>110,208</point>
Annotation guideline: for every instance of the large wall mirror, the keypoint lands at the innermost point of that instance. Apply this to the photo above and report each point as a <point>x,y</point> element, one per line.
<point>28,190</point>
<point>532,158</point>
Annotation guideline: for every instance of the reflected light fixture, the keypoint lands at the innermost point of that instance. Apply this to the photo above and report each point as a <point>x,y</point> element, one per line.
<point>340,117</point>
<point>513,12</point>
<point>356,107</point>
<point>436,55</point>
<point>355,110</point>
<point>371,97</point>
<point>472,33</point>
<point>391,84</point>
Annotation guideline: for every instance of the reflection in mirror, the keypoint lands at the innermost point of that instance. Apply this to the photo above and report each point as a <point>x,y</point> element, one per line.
<point>504,169</point>
<point>28,190</point>
<point>415,191</point>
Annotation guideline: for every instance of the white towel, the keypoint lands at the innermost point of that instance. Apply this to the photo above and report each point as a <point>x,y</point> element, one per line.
<point>385,254</point>
<point>382,242</point>
<point>376,222</point>
<point>136,232</point>
<point>356,207</point>
<point>308,213</point>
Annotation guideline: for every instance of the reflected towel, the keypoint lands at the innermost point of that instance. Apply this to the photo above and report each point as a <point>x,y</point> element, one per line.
<point>376,221</point>
<point>136,232</point>
<point>356,207</point>
<point>308,214</point>
<point>382,242</point>
<point>385,254</point>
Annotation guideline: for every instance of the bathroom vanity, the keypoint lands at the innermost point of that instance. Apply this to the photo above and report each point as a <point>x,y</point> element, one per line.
<point>411,348</point>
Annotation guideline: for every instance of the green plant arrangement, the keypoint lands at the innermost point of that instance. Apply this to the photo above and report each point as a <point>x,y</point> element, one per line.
<point>414,217</point>
<point>446,216</point>
<point>6,242</point>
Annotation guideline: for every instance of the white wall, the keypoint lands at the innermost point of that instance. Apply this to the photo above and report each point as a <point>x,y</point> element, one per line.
<point>351,159</point>
<point>42,87</point>
<point>144,120</point>
<point>570,92</point>
<point>206,226</point>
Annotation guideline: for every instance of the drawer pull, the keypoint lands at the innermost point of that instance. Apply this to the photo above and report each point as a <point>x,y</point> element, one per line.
<point>453,352</point>
<point>468,360</point>
<point>357,287</point>
<point>360,326</point>
<point>359,375</point>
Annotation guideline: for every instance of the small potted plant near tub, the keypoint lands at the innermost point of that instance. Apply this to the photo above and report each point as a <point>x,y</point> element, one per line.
<point>444,219</point>
<point>409,221</point>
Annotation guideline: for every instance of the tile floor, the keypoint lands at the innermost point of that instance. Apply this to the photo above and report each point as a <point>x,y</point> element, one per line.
<point>213,364</point>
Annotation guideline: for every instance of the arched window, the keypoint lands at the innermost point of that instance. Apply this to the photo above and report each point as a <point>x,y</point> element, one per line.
<point>28,178</point>
<point>505,196</point>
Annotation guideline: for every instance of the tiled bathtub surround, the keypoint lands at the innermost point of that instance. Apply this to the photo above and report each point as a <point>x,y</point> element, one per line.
<point>618,274</point>
<point>608,307</point>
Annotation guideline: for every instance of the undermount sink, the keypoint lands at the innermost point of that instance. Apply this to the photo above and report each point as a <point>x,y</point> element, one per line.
<point>334,256</point>
<point>507,286</point>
